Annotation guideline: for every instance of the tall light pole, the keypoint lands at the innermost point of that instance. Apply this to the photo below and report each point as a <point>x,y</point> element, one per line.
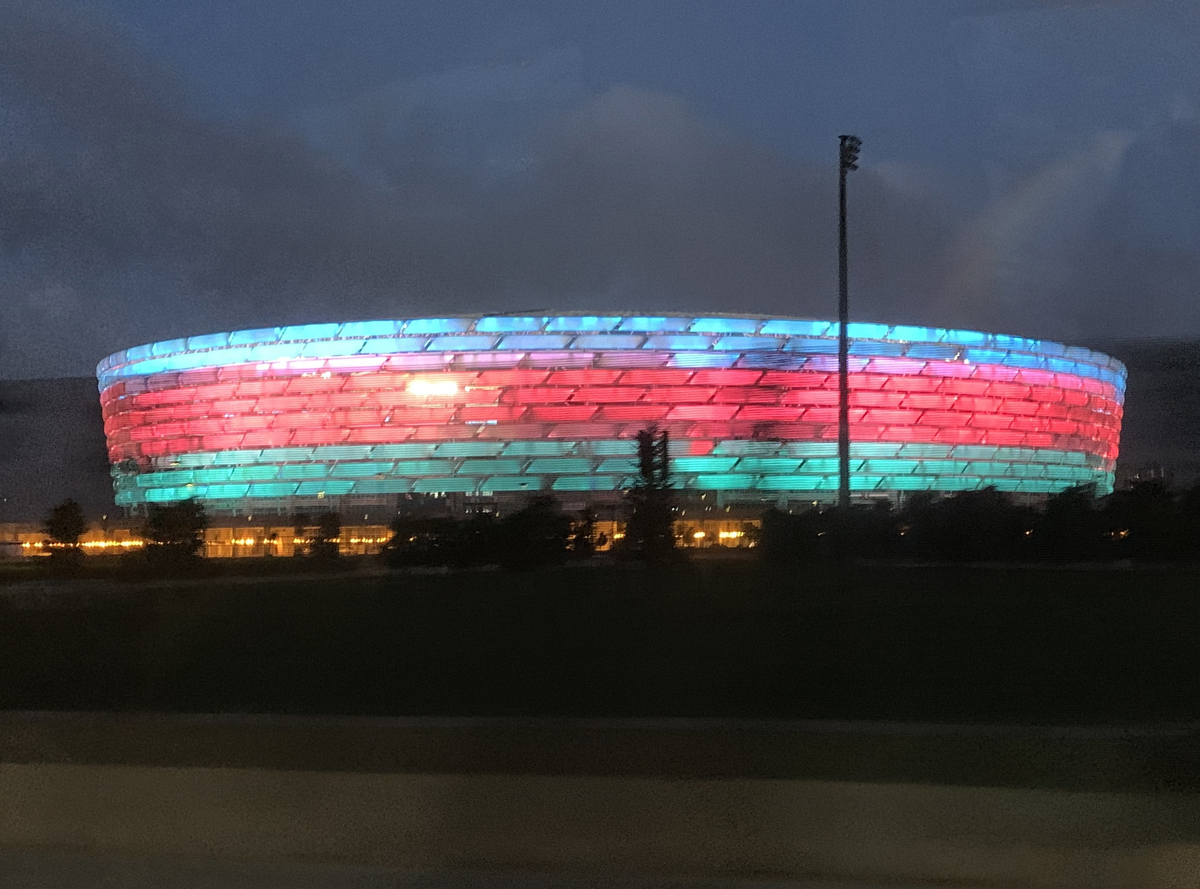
<point>847,161</point>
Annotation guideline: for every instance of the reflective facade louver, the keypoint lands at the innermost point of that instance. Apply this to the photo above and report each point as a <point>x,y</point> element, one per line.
<point>500,404</point>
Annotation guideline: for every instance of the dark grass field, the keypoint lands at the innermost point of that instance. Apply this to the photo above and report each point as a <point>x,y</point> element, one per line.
<point>706,639</point>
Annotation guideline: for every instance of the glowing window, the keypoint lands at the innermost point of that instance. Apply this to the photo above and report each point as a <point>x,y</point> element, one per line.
<point>432,387</point>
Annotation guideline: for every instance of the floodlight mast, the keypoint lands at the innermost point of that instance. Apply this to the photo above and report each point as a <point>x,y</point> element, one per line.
<point>848,160</point>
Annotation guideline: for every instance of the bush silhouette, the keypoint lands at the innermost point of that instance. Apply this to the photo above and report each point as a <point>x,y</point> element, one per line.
<point>535,536</point>
<point>64,526</point>
<point>175,533</point>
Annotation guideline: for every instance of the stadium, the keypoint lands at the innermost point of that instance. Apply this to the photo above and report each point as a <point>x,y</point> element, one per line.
<point>331,416</point>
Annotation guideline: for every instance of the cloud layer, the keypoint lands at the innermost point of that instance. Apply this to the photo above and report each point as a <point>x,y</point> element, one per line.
<point>126,215</point>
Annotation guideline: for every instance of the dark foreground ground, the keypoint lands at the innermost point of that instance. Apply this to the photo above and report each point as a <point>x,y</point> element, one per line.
<point>709,639</point>
<point>57,870</point>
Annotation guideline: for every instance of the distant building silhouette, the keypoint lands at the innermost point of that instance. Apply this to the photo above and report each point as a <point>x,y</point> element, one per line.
<point>1130,474</point>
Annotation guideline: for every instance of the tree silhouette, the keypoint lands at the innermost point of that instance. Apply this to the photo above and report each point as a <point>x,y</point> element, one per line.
<point>534,536</point>
<point>176,531</point>
<point>300,525</point>
<point>968,526</point>
<point>1069,527</point>
<point>649,531</point>
<point>583,534</point>
<point>1144,522</point>
<point>65,524</point>
<point>324,541</point>
<point>791,538</point>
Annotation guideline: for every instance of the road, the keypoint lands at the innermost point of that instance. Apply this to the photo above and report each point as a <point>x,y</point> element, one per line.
<point>93,801</point>
<point>45,870</point>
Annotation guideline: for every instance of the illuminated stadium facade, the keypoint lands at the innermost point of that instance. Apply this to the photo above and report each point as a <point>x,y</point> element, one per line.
<point>500,406</point>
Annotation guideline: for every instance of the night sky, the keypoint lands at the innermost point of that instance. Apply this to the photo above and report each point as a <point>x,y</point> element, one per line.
<point>173,167</point>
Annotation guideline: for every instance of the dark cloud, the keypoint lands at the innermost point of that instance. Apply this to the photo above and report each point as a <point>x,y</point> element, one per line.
<point>127,181</point>
<point>134,218</point>
<point>126,215</point>
<point>994,7</point>
<point>54,448</point>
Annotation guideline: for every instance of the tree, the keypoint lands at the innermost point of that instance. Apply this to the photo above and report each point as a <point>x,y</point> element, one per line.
<point>583,535</point>
<point>790,538</point>
<point>982,525</point>
<point>300,525</point>
<point>324,541</point>
<point>176,532</point>
<point>649,531</point>
<point>534,536</point>
<point>1144,523</point>
<point>475,542</point>
<point>420,540</point>
<point>1069,527</point>
<point>317,535</point>
<point>443,540</point>
<point>65,524</point>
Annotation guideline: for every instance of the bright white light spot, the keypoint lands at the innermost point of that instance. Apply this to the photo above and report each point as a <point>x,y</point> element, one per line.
<point>432,387</point>
<point>698,535</point>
